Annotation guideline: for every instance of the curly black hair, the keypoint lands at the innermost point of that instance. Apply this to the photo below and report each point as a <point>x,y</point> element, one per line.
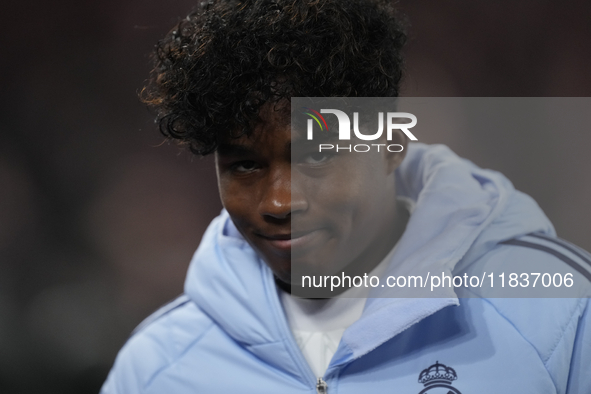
<point>218,66</point>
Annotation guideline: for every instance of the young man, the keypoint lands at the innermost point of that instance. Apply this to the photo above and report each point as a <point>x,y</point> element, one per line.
<point>223,84</point>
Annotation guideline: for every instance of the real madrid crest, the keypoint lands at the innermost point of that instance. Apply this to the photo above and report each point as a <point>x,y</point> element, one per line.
<point>437,379</point>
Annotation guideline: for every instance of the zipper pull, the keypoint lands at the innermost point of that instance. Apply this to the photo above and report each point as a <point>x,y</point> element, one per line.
<point>321,386</point>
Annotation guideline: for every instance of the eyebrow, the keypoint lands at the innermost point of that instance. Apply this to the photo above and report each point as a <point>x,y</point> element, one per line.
<point>319,138</point>
<point>235,149</point>
<point>229,149</point>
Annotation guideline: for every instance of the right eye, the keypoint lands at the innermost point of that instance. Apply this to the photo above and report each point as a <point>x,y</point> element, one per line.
<point>244,166</point>
<point>317,158</point>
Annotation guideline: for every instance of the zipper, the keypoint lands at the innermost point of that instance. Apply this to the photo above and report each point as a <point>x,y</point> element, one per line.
<point>293,348</point>
<point>321,387</point>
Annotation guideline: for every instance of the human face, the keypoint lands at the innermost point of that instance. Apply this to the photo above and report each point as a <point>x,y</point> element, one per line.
<point>322,213</point>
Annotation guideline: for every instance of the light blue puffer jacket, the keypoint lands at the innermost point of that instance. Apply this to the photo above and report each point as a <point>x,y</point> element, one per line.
<point>228,333</point>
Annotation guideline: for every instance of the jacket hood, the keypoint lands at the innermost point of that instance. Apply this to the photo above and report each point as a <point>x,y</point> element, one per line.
<point>461,212</point>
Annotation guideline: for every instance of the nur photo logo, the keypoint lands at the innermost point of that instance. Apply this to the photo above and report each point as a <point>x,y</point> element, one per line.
<point>387,121</point>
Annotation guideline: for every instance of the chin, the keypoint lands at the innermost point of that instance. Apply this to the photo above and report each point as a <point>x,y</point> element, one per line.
<point>317,266</point>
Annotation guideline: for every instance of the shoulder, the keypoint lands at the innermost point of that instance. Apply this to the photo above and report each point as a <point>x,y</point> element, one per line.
<point>556,324</point>
<point>535,266</point>
<point>156,344</point>
<point>543,274</point>
<point>561,253</point>
<point>550,264</point>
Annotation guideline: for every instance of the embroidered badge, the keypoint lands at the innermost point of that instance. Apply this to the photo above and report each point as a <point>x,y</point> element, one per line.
<point>437,379</point>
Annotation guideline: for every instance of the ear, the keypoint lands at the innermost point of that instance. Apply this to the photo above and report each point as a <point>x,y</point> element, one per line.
<point>400,144</point>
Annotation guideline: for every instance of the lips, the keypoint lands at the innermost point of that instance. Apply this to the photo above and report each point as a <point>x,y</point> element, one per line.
<point>285,242</point>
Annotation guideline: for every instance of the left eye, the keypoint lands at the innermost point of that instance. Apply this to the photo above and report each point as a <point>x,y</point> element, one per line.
<point>245,166</point>
<point>316,158</point>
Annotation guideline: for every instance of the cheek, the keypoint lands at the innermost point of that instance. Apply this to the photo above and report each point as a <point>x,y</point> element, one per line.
<point>351,200</point>
<point>236,201</point>
<point>343,188</point>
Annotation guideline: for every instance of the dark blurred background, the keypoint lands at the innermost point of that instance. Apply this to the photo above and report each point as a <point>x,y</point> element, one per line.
<point>99,218</point>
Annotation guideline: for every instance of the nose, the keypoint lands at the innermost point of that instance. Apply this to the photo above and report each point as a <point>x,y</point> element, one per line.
<point>280,196</point>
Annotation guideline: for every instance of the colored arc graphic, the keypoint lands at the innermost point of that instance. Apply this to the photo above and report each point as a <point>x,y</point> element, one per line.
<point>315,118</point>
